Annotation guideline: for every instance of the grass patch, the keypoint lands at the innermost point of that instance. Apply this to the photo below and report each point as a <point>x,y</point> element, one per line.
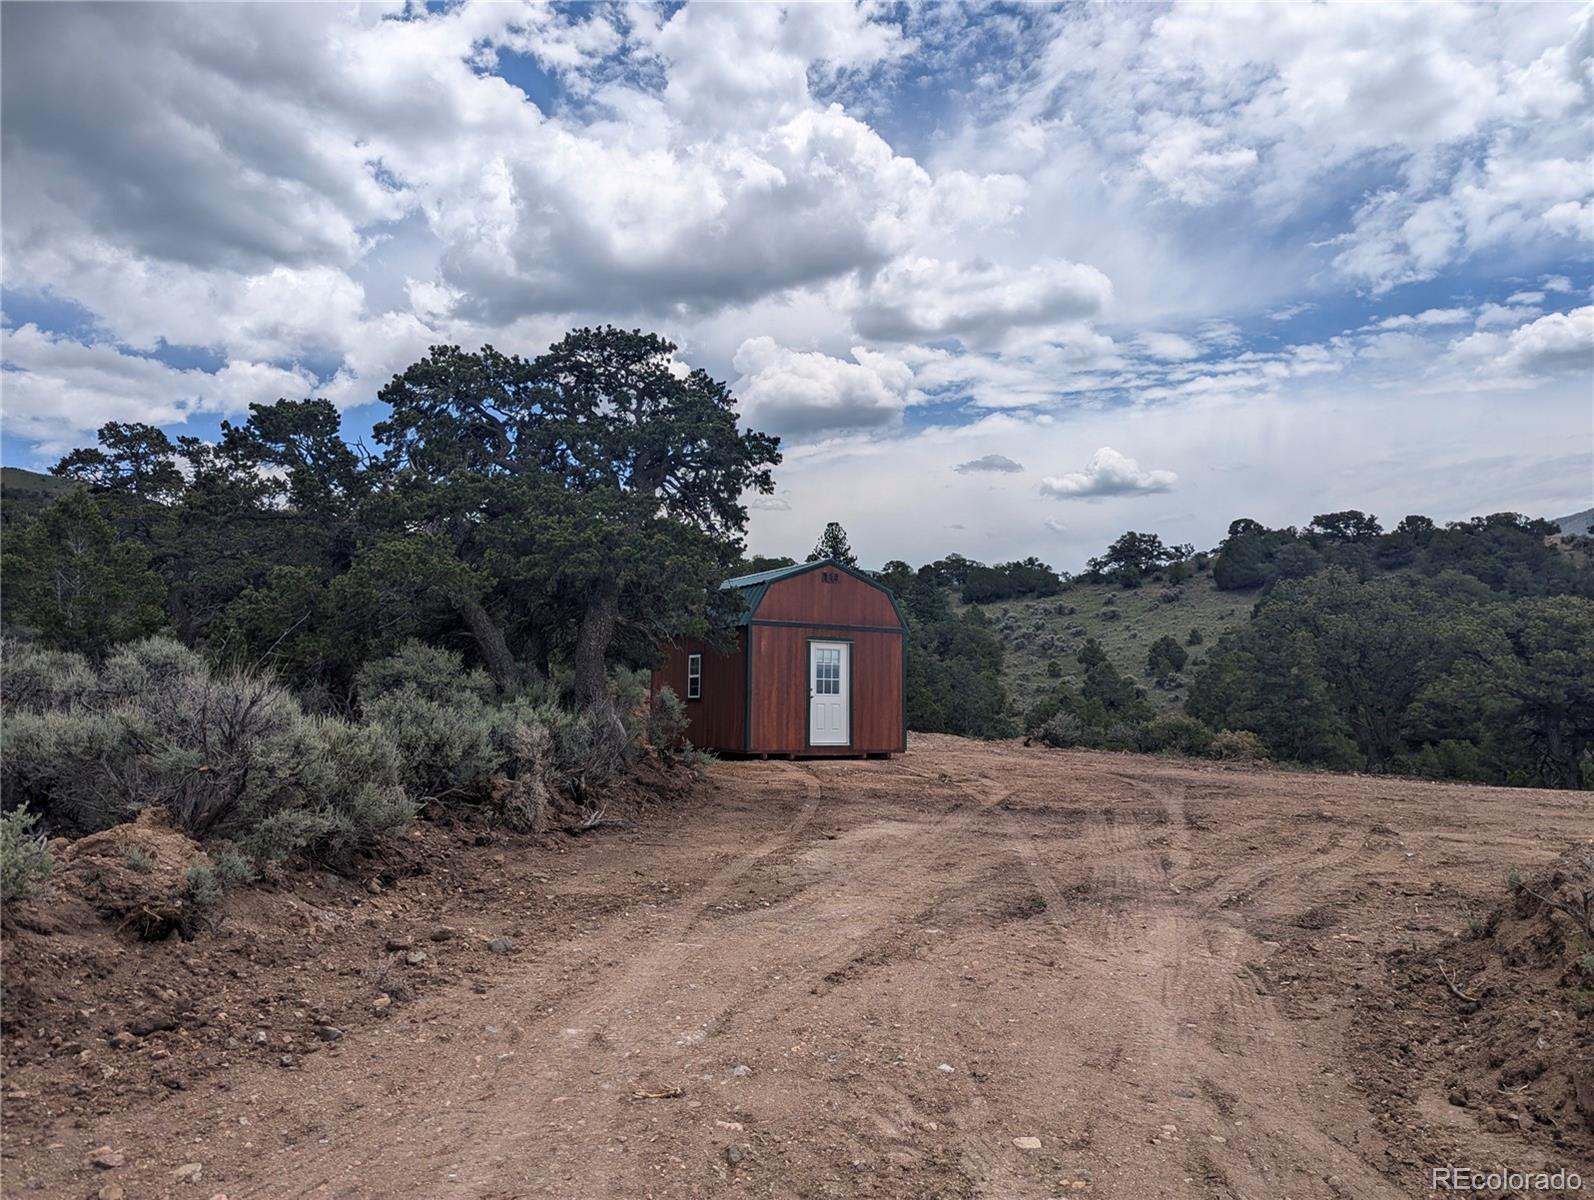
<point>1126,621</point>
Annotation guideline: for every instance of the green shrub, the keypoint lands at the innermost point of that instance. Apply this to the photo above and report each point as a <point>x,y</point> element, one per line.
<point>76,766</point>
<point>202,887</point>
<point>698,761</point>
<point>435,673</point>
<point>591,748</point>
<point>1165,656</point>
<point>233,870</point>
<point>39,680</point>
<point>666,723</point>
<point>1063,729</point>
<point>25,861</point>
<point>1177,732</point>
<point>1194,638</point>
<point>139,859</point>
<point>1237,745</point>
<point>230,754</point>
<point>438,714</point>
<point>444,746</point>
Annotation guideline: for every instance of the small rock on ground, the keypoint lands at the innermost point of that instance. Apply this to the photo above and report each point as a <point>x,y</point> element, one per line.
<point>107,1159</point>
<point>189,1172</point>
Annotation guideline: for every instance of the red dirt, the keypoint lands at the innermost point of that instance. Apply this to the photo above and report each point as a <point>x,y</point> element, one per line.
<point>1183,979</point>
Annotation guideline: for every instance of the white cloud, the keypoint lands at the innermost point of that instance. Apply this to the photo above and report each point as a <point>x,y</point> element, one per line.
<point>1192,161</point>
<point>1429,316</point>
<point>323,191</point>
<point>1108,473</point>
<point>1168,346</point>
<point>1556,344</point>
<point>58,390</point>
<point>989,462</point>
<point>1290,311</point>
<point>926,298</point>
<point>808,392</point>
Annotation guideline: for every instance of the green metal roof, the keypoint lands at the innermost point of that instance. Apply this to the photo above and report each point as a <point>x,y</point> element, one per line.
<point>774,573</point>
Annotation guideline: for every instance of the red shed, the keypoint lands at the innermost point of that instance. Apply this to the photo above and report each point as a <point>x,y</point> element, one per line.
<point>819,668</point>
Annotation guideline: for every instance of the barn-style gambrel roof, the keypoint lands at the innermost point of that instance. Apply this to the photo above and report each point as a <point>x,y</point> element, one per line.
<point>753,587</point>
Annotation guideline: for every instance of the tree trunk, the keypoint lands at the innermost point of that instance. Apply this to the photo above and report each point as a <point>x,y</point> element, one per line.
<point>592,644</point>
<point>501,664</point>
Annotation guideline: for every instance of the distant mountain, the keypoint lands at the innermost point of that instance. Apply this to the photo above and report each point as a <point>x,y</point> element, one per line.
<point>1582,522</point>
<point>23,493</point>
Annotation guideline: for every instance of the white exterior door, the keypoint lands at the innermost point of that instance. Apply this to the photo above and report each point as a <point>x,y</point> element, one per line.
<point>829,693</point>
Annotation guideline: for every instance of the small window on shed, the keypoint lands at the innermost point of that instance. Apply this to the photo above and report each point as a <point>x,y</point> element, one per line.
<point>694,676</point>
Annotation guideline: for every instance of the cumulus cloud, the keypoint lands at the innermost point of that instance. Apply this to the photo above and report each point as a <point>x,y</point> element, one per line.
<point>1192,161</point>
<point>1108,473</point>
<point>1555,344</point>
<point>59,390</point>
<point>807,392</point>
<point>989,462</point>
<point>1429,316</point>
<point>315,194</point>
<point>928,298</point>
<point>1168,346</point>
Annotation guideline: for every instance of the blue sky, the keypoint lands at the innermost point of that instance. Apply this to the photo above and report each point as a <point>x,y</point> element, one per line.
<point>1166,265</point>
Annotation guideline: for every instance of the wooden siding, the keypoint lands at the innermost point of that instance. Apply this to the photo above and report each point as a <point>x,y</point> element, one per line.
<point>780,686</point>
<point>847,601</point>
<point>718,721</point>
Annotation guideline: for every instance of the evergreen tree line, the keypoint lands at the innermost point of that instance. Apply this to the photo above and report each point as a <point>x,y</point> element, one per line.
<point>547,518</point>
<point>293,642</point>
<point>1463,651</point>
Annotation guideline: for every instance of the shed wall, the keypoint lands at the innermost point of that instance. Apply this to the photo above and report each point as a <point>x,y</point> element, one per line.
<point>780,687</point>
<point>719,720</point>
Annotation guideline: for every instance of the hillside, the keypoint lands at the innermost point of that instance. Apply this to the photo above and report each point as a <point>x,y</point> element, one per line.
<point>1578,522</point>
<point>1125,621</point>
<point>24,492</point>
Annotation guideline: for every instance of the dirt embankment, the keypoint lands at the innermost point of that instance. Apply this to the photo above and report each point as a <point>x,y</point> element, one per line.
<point>975,970</point>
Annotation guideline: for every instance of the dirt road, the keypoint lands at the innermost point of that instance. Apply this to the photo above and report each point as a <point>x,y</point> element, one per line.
<point>834,979</point>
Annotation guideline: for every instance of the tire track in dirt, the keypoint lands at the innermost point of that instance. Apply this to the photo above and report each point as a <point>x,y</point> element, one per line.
<point>882,884</point>
<point>794,939</point>
<point>1202,1013</point>
<point>620,986</point>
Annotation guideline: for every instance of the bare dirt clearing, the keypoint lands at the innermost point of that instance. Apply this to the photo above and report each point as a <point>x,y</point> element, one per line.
<point>872,978</point>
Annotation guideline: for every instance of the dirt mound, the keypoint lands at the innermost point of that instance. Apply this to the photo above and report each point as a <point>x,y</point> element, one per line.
<point>1531,977</point>
<point>133,875</point>
<point>1516,1050</point>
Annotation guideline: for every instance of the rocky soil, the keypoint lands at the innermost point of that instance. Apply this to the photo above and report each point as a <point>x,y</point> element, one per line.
<point>976,970</point>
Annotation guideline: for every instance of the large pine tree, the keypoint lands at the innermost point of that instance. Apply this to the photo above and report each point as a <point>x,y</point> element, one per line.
<point>833,544</point>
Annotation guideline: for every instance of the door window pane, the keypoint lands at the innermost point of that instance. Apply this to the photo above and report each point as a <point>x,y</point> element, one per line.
<point>827,672</point>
